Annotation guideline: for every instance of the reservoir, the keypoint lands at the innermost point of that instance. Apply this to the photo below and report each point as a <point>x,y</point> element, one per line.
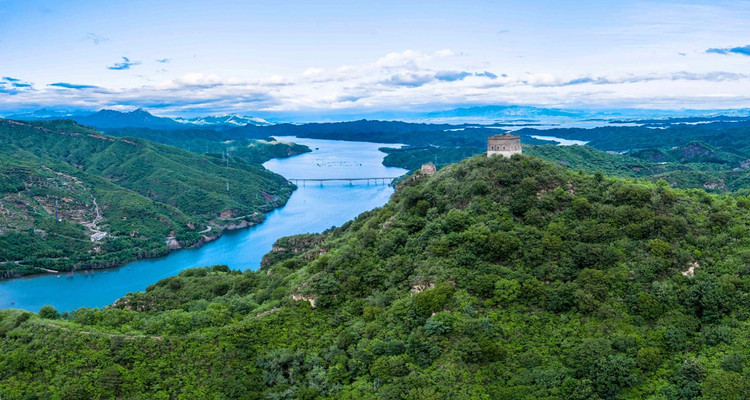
<point>561,141</point>
<point>313,207</point>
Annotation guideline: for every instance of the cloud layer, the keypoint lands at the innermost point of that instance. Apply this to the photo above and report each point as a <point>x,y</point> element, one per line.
<point>400,80</point>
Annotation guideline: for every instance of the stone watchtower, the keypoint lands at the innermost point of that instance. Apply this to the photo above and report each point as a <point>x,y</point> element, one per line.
<point>428,169</point>
<point>504,145</point>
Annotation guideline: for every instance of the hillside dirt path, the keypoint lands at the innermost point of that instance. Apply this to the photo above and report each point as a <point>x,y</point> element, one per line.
<point>98,234</point>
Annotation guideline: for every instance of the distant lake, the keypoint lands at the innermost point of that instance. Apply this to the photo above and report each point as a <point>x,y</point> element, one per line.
<point>313,207</point>
<point>561,141</point>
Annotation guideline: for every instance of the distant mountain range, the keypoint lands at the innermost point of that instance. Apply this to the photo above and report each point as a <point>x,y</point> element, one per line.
<point>108,119</point>
<point>505,114</point>
<point>492,114</point>
<point>224,120</point>
<point>112,119</point>
<point>489,114</point>
<point>44,114</point>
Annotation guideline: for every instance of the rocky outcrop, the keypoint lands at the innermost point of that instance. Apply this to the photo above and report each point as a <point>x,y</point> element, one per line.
<point>290,246</point>
<point>172,243</point>
<point>245,221</point>
<point>691,269</point>
<point>302,297</point>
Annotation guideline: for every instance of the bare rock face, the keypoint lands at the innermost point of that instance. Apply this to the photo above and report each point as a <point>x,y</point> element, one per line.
<point>226,214</point>
<point>226,223</point>
<point>693,151</point>
<point>714,185</point>
<point>421,287</point>
<point>691,269</point>
<point>288,247</point>
<point>172,243</point>
<point>302,297</point>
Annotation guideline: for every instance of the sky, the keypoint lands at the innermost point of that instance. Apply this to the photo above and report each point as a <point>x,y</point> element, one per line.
<point>187,58</point>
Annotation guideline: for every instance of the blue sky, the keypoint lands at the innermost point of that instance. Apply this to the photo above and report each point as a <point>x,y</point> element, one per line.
<point>187,58</point>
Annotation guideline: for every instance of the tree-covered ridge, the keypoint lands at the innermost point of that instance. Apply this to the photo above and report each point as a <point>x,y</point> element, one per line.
<point>118,199</point>
<point>695,165</point>
<point>495,278</point>
<point>729,136</point>
<point>252,147</point>
<point>673,166</point>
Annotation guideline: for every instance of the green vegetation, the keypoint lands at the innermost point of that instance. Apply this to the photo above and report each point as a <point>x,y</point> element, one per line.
<point>694,165</point>
<point>412,158</point>
<point>493,279</point>
<point>444,135</point>
<point>118,199</point>
<point>255,149</point>
<point>731,137</point>
<point>713,156</point>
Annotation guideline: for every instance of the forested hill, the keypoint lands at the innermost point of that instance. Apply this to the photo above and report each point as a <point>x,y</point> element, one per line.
<point>415,134</point>
<point>493,279</point>
<point>254,149</point>
<point>118,199</point>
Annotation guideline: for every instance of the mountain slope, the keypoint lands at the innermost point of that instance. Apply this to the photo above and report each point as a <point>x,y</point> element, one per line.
<point>252,148</point>
<point>109,119</point>
<point>495,278</point>
<point>112,119</point>
<point>118,198</point>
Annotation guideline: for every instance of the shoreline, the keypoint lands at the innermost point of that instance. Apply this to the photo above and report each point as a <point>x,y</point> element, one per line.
<point>240,249</point>
<point>220,229</point>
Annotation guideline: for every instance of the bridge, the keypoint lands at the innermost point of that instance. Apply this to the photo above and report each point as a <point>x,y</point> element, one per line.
<point>376,180</point>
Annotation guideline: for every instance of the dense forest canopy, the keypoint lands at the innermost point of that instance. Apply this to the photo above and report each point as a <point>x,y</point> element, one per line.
<point>255,149</point>
<point>495,278</point>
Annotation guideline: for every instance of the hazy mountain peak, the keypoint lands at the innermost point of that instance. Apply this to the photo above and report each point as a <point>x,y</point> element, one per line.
<point>232,120</point>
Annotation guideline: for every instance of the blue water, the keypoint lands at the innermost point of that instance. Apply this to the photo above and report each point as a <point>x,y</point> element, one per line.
<point>313,207</point>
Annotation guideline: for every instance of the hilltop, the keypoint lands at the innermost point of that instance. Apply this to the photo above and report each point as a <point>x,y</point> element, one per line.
<point>117,199</point>
<point>496,278</point>
<point>714,156</point>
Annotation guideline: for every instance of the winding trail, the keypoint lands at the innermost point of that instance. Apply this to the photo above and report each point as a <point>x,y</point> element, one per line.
<point>97,235</point>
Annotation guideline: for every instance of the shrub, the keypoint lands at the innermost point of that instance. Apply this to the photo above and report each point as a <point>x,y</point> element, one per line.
<point>48,312</point>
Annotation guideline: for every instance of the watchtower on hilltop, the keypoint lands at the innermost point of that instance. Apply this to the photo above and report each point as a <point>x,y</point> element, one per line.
<point>504,145</point>
<point>428,169</point>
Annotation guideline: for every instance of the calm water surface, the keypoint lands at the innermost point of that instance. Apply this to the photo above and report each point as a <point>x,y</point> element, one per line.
<point>314,207</point>
<point>561,141</point>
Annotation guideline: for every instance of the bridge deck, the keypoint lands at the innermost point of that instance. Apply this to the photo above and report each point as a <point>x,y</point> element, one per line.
<point>340,179</point>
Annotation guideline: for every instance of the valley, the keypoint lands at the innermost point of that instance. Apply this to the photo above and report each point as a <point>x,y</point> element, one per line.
<point>310,208</point>
<point>393,200</point>
<point>470,270</point>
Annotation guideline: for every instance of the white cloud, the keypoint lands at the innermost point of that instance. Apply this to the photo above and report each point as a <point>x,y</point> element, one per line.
<point>408,79</point>
<point>444,53</point>
<point>312,72</point>
<point>190,80</point>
